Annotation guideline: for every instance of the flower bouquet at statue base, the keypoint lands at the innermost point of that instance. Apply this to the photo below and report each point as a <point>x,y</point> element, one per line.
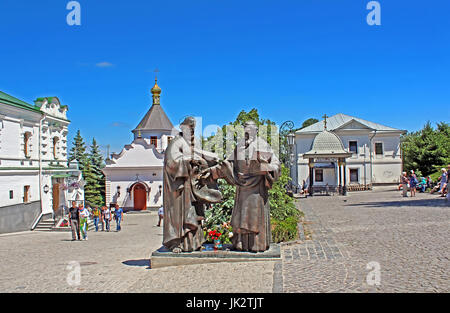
<point>215,236</point>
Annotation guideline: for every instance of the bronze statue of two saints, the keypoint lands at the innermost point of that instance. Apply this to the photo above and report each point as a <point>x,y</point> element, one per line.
<point>190,186</point>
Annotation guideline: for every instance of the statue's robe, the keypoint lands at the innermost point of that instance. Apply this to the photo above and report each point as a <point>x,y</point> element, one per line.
<point>182,210</point>
<point>252,169</point>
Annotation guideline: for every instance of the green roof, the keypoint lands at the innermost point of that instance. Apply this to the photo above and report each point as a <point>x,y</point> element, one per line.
<point>38,102</point>
<point>62,175</point>
<point>7,99</point>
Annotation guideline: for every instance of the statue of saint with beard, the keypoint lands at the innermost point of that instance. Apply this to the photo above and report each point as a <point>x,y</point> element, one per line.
<point>186,195</point>
<point>253,168</point>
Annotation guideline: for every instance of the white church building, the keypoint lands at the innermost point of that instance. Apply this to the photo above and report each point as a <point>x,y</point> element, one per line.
<point>36,182</point>
<point>343,150</point>
<point>134,177</point>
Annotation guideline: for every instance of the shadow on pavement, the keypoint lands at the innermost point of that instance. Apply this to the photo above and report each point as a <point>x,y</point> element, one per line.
<point>141,262</point>
<point>440,202</point>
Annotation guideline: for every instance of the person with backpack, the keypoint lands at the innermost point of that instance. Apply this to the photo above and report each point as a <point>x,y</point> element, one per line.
<point>413,183</point>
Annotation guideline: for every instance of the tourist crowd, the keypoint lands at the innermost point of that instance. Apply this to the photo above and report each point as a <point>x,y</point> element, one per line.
<point>413,184</point>
<point>79,215</point>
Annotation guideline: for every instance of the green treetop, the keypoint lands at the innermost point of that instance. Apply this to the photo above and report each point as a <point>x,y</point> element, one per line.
<point>78,151</point>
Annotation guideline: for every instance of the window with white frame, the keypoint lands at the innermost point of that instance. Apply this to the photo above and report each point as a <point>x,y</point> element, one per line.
<point>353,146</point>
<point>378,148</point>
<point>354,175</point>
<point>319,175</point>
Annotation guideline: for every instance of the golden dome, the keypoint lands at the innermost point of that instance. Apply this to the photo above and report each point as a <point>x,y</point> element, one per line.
<point>156,89</point>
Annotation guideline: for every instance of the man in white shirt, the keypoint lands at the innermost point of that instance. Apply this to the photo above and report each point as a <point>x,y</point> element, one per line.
<point>107,217</point>
<point>161,216</point>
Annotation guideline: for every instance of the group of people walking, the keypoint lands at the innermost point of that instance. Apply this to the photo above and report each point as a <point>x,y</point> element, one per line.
<point>78,218</point>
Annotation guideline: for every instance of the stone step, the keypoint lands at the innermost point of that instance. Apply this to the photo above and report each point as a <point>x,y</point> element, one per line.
<point>49,225</point>
<point>46,223</point>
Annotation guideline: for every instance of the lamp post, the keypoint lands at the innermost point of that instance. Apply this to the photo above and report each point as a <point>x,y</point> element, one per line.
<point>285,128</point>
<point>291,143</point>
<point>285,146</point>
<point>311,177</point>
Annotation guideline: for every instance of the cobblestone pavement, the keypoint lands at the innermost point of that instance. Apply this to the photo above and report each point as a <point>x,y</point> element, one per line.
<point>116,262</point>
<point>409,238</point>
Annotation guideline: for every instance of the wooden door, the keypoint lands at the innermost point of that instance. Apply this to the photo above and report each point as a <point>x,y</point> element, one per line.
<point>55,195</point>
<point>140,197</point>
<point>26,191</point>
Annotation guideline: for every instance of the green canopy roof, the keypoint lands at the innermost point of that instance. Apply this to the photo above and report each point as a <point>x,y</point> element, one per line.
<point>7,99</point>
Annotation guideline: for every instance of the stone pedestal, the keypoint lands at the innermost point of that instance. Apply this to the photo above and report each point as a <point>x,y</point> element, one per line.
<point>163,257</point>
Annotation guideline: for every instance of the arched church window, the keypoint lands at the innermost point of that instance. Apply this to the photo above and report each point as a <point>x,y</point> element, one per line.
<point>55,145</point>
<point>26,144</point>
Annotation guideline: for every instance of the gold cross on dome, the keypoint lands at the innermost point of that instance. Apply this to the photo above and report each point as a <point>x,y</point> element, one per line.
<point>156,72</point>
<point>325,121</point>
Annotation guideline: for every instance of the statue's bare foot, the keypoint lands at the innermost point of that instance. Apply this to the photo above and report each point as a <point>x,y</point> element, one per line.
<point>177,250</point>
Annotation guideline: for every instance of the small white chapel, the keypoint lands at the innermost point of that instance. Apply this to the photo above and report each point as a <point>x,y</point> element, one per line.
<point>134,177</point>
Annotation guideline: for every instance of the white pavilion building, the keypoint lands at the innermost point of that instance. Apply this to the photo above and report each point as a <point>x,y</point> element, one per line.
<point>346,151</point>
<point>134,177</point>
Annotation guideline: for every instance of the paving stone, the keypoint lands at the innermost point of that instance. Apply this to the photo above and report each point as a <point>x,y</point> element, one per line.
<point>116,262</point>
<point>408,238</point>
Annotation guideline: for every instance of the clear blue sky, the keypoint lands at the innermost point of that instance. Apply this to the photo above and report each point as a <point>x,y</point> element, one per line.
<point>291,60</point>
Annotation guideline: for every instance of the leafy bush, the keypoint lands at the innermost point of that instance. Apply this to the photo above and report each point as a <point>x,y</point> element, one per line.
<point>220,213</point>
<point>281,204</point>
<point>435,176</point>
<point>284,230</point>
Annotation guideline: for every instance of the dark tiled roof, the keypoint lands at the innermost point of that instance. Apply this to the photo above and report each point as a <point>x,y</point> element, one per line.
<point>155,119</point>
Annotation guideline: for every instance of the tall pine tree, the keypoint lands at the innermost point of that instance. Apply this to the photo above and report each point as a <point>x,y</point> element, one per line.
<point>91,164</point>
<point>96,162</point>
<point>92,195</point>
<point>78,151</point>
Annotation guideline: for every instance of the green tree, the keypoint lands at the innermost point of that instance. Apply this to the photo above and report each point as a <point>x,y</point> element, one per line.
<point>96,162</point>
<point>309,122</point>
<point>428,149</point>
<point>92,194</point>
<point>78,151</point>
